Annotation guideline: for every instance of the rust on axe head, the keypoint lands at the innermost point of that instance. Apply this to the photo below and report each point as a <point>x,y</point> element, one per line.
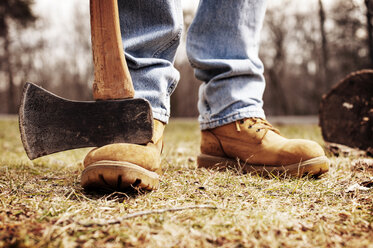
<point>50,124</point>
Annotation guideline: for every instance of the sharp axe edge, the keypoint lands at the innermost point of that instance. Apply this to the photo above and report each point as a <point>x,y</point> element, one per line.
<point>21,121</point>
<point>50,124</point>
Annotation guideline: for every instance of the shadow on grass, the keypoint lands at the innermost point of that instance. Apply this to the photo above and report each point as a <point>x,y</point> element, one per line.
<point>111,195</point>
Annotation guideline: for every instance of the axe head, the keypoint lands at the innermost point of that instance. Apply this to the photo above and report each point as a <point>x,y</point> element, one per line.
<point>50,124</point>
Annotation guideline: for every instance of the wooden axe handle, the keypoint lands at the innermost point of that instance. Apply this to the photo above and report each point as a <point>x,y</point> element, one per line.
<point>112,78</point>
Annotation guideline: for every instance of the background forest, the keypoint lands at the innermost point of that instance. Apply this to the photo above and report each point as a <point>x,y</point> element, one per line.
<point>307,47</point>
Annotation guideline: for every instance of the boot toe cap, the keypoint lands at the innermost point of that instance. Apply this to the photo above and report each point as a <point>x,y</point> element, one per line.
<point>147,157</point>
<point>298,150</point>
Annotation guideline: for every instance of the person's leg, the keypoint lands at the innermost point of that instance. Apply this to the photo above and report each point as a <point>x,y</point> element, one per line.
<point>222,46</point>
<point>151,32</point>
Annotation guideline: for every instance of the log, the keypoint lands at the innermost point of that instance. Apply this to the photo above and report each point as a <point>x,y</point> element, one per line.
<point>346,112</point>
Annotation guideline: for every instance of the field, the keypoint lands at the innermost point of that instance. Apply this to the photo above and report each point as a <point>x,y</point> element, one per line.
<point>43,205</point>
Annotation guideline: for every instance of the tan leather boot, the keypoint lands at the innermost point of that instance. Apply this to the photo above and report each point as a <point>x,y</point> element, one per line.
<point>253,145</point>
<point>122,165</point>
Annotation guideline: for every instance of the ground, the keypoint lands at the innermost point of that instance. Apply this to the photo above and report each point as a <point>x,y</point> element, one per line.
<point>43,205</point>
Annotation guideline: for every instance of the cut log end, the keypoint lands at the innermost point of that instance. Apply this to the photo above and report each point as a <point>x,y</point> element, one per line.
<point>346,112</point>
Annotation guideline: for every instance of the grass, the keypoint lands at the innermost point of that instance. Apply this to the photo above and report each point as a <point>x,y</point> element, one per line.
<point>43,205</point>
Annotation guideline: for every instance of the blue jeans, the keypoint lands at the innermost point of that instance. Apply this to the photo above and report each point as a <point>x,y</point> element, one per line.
<point>222,47</point>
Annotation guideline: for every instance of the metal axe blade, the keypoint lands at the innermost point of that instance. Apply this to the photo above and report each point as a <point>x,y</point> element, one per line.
<point>50,124</point>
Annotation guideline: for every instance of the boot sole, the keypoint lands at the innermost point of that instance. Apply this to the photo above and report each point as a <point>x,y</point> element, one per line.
<point>313,167</point>
<point>117,176</point>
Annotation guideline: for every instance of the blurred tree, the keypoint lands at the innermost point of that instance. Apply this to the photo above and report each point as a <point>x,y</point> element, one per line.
<point>307,50</point>
<point>324,48</point>
<point>76,69</point>
<point>277,70</point>
<point>300,44</point>
<point>12,12</point>
<point>348,38</point>
<point>184,99</point>
<point>369,5</point>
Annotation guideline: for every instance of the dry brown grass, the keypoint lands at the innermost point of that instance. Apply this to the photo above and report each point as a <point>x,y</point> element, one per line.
<point>43,205</point>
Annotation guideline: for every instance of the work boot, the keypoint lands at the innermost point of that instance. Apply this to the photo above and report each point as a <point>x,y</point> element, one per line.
<point>253,145</point>
<point>122,165</point>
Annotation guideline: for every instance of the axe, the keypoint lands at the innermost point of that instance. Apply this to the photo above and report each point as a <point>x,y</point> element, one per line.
<point>50,124</point>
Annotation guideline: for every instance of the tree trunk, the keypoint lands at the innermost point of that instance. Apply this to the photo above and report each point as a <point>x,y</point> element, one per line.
<point>278,91</point>
<point>277,72</point>
<point>325,53</point>
<point>12,109</point>
<point>369,5</point>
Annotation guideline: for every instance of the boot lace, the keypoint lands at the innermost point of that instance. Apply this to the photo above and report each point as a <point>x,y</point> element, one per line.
<point>256,123</point>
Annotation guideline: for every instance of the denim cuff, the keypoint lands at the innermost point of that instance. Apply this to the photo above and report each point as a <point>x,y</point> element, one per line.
<point>237,115</point>
<point>161,115</point>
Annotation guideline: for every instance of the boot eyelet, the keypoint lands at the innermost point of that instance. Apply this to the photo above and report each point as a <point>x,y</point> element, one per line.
<point>241,121</point>
<point>258,130</point>
<point>250,126</point>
